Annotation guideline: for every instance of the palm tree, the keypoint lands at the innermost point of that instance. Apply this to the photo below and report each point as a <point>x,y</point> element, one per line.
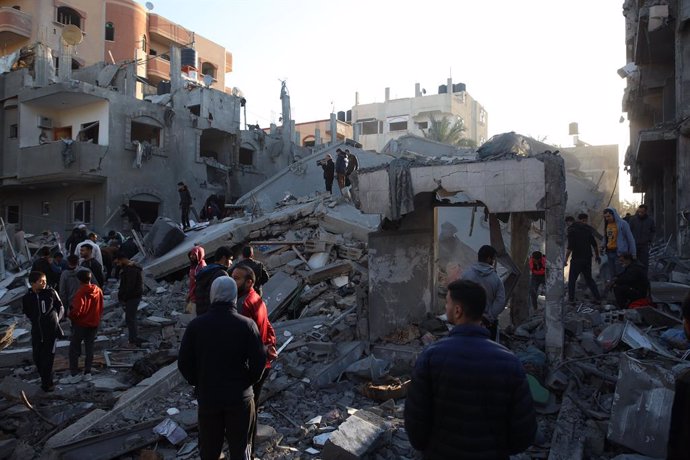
<point>441,130</point>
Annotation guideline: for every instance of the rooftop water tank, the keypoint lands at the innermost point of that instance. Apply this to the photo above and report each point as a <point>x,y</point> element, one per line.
<point>442,89</point>
<point>188,57</point>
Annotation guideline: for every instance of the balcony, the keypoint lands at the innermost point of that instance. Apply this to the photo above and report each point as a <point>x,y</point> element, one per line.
<point>167,32</point>
<point>15,26</point>
<point>44,163</point>
<point>158,69</point>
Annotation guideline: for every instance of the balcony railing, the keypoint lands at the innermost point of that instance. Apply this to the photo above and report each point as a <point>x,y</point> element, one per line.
<point>50,162</point>
<point>158,69</point>
<point>15,25</point>
<point>165,31</point>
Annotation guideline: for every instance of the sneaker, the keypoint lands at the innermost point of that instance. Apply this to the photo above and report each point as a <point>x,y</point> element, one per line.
<point>88,377</point>
<point>71,379</point>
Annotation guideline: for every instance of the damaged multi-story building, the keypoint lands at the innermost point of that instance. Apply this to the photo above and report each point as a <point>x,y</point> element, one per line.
<point>657,101</point>
<point>142,106</point>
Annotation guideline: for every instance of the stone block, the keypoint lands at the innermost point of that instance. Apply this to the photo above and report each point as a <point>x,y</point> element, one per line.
<point>11,388</point>
<point>355,437</point>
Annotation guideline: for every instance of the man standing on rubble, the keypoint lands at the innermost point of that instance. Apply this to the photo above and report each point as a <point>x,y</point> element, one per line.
<point>206,277</point>
<point>86,254</point>
<point>618,239</point>
<point>469,397</point>
<point>185,203</point>
<point>43,307</point>
<point>643,229</point>
<point>69,283</point>
<point>341,168</point>
<point>260,273</point>
<point>328,171</point>
<point>581,244</point>
<point>129,294</point>
<point>484,273</point>
<point>196,264</point>
<point>43,265</point>
<point>95,248</point>
<point>221,354</point>
<point>249,304</point>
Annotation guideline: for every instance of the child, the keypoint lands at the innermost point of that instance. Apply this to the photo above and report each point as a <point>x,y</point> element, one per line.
<point>537,268</point>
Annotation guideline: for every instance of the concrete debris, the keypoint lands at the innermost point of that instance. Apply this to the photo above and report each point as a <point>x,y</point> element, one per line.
<point>354,438</point>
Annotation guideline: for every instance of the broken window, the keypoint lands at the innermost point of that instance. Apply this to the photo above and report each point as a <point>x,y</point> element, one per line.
<point>153,52</point>
<point>89,132</point>
<point>67,16</point>
<point>246,157</point>
<point>423,125</point>
<point>143,132</point>
<point>370,127</point>
<point>12,214</point>
<point>81,211</point>
<point>147,210</point>
<point>195,110</point>
<point>14,131</point>
<point>109,31</point>
<point>398,126</point>
<point>208,68</point>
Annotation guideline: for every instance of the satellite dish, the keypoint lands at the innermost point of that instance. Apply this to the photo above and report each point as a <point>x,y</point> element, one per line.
<point>208,80</point>
<point>149,6</point>
<point>72,35</point>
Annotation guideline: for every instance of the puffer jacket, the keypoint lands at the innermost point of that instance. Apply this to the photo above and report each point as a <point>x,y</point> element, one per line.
<point>469,399</point>
<point>485,275</point>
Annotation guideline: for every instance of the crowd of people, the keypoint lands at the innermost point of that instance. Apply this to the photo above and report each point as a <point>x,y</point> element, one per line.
<point>227,350</point>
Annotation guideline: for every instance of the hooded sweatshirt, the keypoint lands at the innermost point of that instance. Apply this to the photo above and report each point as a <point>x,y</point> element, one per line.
<point>624,241</point>
<point>44,309</point>
<point>486,276</point>
<point>204,281</point>
<point>194,270</point>
<point>131,283</point>
<point>224,289</point>
<point>69,284</point>
<point>87,306</point>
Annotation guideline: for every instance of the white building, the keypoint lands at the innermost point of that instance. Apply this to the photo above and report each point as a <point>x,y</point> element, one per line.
<point>379,122</point>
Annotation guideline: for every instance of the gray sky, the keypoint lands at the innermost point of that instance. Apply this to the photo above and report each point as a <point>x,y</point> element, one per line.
<point>534,65</point>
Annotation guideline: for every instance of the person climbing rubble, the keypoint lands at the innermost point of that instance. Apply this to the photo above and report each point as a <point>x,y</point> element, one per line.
<point>222,355</point>
<point>484,273</point>
<point>581,246</point>
<point>632,283</point>
<point>618,239</point>
<point>469,397</point>
<point>249,304</point>
<point>42,305</point>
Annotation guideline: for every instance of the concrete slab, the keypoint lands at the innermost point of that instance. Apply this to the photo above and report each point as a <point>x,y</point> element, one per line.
<point>323,374</point>
<point>355,437</point>
<point>279,289</point>
<point>11,388</point>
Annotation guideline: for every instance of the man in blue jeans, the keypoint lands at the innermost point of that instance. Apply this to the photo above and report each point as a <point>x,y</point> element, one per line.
<point>618,239</point>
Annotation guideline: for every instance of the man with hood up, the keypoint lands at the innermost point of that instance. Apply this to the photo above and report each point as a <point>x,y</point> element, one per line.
<point>43,307</point>
<point>85,314</point>
<point>221,354</point>
<point>196,264</point>
<point>69,283</point>
<point>618,239</point>
<point>484,273</point>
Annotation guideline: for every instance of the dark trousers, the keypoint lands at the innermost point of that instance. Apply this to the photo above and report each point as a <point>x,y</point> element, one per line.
<point>232,423</point>
<point>257,392</point>
<point>643,255</point>
<point>584,267</point>
<point>88,336</point>
<point>534,283</point>
<point>626,294</point>
<point>329,184</point>
<point>131,318</point>
<point>44,355</point>
<point>679,432</point>
<point>185,216</point>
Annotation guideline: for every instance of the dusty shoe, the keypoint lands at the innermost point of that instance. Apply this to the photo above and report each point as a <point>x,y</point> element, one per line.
<point>71,380</point>
<point>88,377</point>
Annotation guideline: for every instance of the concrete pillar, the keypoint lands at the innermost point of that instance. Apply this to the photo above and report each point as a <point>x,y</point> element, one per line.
<point>556,198</point>
<point>417,90</point>
<point>65,66</point>
<point>286,130</point>
<point>273,129</point>
<point>334,130</point>
<point>388,94</point>
<point>668,188</point>
<point>175,69</point>
<point>356,98</point>
<point>682,163</point>
<point>43,66</point>
<point>131,80</point>
<point>317,137</point>
<point>449,83</point>
<point>355,131</point>
<point>519,252</point>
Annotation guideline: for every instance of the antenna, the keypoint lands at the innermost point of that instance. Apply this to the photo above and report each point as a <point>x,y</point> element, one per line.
<point>149,6</point>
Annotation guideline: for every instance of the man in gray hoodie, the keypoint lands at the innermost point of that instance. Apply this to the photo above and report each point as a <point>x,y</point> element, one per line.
<point>484,273</point>
<point>69,283</point>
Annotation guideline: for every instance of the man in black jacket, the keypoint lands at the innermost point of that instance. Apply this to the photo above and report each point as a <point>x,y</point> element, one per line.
<point>581,244</point>
<point>129,294</point>
<point>207,275</point>
<point>469,398</point>
<point>44,309</point>
<point>257,267</point>
<point>222,355</point>
<point>185,203</point>
<point>643,229</point>
<point>328,171</point>
<point>42,264</point>
<point>90,262</point>
<point>632,283</point>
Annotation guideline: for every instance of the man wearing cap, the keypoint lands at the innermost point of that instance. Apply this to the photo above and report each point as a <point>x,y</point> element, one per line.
<point>341,168</point>
<point>185,203</point>
<point>328,171</point>
<point>221,354</point>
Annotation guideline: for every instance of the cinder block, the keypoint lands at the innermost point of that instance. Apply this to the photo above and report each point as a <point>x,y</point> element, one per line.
<point>355,437</point>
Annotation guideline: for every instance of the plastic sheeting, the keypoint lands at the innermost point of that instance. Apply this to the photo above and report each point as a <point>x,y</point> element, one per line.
<point>6,62</point>
<point>510,145</point>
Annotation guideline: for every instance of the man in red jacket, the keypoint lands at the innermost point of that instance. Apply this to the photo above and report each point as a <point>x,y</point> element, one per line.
<point>249,304</point>
<point>86,312</point>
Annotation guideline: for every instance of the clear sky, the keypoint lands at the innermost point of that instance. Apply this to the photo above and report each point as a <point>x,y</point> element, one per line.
<point>535,65</point>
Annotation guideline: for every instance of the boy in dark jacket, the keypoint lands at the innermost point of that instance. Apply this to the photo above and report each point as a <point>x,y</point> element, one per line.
<point>221,354</point>
<point>129,294</point>
<point>86,312</point>
<point>207,276</point>
<point>44,309</point>
<point>469,397</point>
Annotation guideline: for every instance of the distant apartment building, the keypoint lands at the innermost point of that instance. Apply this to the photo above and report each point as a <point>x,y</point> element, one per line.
<point>314,133</point>
<point>377,123</point>
<point>113,31</point>
<point>657,101</point>
<point>75,146</point>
